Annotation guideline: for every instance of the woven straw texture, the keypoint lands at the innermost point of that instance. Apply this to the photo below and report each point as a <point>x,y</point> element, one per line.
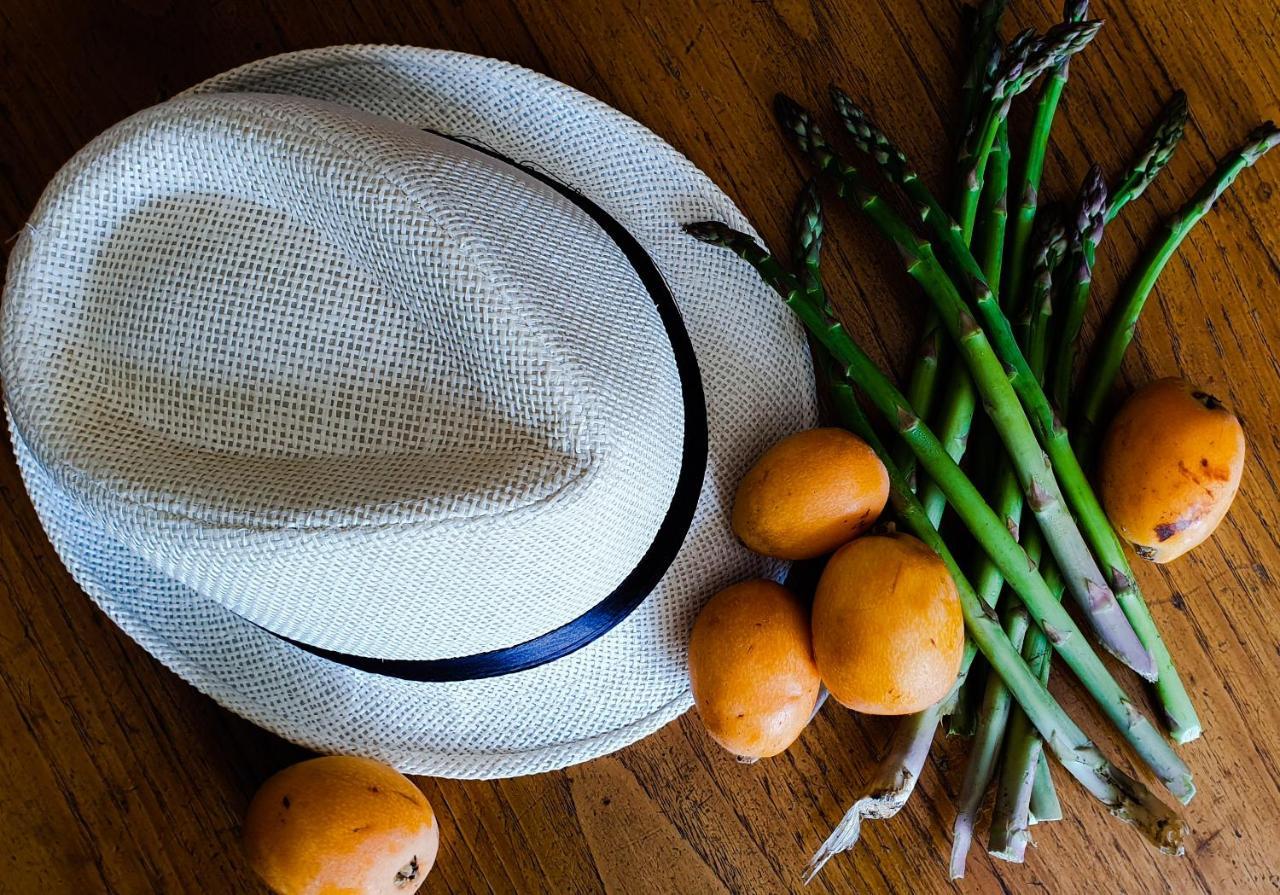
<point>254,346</point>
<point>320,356</point>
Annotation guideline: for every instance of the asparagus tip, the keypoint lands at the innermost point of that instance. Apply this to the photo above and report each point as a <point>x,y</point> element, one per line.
<point>712,232</point>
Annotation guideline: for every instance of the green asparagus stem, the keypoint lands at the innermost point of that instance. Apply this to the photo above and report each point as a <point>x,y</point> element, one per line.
<point>1020,775</point>
<point>1045,262</point>
<point>1033,168</point>
<point>1043,805</point>
<point>1111,348</point>
<point>1011,816</point>
<point>1093,213</point>
<point>1091,216</point>
<point>1026,60</point>
<point>993,212</point>
<point>960,399</point>
<point>1175,702</point>
<point>996,704</point>
<point>953,428</point>
<point>1000,814</point>
<point>922,384</point>
<point>1000,390</point>
<point>1180,715</point>
<point>977,516</point>
<point>994,714</point>
<point>983,57</point>
<point>1168,132</point>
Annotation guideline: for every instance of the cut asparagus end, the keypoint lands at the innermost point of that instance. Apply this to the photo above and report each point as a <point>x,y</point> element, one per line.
<point>890,788</point>
<point>1135,804</point>
<point>961,839</point>
<point>1012,848</point>
<point>1044,805</point>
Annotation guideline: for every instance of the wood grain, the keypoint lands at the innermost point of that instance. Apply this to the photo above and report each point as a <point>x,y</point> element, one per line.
<point>120,778</point>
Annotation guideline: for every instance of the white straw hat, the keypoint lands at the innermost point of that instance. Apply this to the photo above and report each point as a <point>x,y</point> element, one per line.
<point>377,393</point>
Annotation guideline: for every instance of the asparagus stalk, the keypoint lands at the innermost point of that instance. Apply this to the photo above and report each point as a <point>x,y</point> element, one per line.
<point>1110,350</point>
<point>977,516</point>
<point>997,387</point>
<point>1025,794</point>
<point>1176,704</point>
<point>996,703</point>
<point>960,401</point>
<point>1168,132</point>
<point>1011,817</point>
<point>1094,212</point>
<point>1043,805</point>
<point>1044,267</point>
<point>1026,60</point>
<point>994,714</point>
<point>1033,168</point>
<point>984,56</point>
<point>1091,216</point>
<point>1023,770</point>
<point>953,427</point>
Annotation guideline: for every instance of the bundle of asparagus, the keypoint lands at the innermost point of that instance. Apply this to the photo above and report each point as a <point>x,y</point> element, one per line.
<point>981,272</point>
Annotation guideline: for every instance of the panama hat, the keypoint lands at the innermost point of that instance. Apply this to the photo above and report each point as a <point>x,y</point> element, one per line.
<point>376,392</point>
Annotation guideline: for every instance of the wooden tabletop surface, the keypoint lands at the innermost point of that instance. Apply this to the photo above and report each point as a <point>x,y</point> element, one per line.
<point>118,777</point>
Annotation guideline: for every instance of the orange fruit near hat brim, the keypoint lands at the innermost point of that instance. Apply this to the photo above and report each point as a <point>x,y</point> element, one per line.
<point>888,633</point>
<point>751,668</point>
<point>810,493</point>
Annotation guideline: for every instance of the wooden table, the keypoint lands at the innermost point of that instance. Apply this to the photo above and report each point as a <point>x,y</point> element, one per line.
<point>120,778</point>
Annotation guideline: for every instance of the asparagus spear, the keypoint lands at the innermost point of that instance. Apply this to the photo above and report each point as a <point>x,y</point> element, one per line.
<point>1023,768</point>
<point>1094,212</point>
<point>956,415</point>
<point>953,428</point>
<point>1033,168</point>
<point>1168,132</point>
<point>1043,805</point>
<point>996,703</point>
<point>960,402</point>
<point>1091,216</point>
<point>980,74</point>
<point>1111,348</point>
<point>1026,60</point>
<point>1011,817</point>
<point>973,511</point>
<point>1179,713</point>
<point>997,387</point>
<point>1025,793</point>
<point>1044,268</point>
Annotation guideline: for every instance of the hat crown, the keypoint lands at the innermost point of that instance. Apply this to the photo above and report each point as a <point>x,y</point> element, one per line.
<point>364,385</point>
